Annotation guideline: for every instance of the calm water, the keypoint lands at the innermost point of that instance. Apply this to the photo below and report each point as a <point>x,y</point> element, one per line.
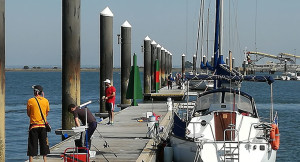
<point>18,91</point>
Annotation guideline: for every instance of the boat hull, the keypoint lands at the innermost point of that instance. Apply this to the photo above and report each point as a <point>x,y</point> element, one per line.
<point>186,150</point>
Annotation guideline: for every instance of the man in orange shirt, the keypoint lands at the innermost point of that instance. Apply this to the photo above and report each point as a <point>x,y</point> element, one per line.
<point>37,130</point>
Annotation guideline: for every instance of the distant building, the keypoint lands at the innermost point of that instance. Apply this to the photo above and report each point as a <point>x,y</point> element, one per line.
<point>26,67</point>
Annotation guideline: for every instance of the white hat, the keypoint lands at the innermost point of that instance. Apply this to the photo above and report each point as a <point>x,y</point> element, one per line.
<point>107,81</point>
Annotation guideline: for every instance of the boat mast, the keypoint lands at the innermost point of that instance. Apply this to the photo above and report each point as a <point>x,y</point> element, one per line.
<point>216,46</point>
<point>202,30</point>
<point>200,25</point>
<point>205,61</point>
<point>221,33</point>
<point>217,30</point>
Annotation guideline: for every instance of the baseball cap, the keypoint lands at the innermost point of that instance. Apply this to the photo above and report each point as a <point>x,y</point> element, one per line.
<point>37,88</point>
<point>107,81</point>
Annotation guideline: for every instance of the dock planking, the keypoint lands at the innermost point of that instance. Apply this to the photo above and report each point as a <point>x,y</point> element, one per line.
<point>127,138</point>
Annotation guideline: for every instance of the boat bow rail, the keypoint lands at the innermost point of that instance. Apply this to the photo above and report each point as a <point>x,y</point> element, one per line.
<point>268,79</point>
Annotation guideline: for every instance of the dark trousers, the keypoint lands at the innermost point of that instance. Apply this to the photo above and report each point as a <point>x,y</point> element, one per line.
<point>38,136</point>
<point>90,131</point>
<point>169,84</point>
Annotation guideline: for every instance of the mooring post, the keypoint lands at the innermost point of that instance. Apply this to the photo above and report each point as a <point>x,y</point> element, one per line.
<point>153,58</point>
<point>171,62</point>
<point>158,49</point>
<point>70,59</point>
<point>106,51</point>
<point>232,62</point>
<point>194,63</point>
<point>125,60</point>
<point>167,63</point>
<point>204,60</point>
<point>183,64</point>
<point>147,65</point>
<point>156,76</point>
<point>227,61</point>
<point>163,66</point>
<point>244,67</point>
<point>2,80</point>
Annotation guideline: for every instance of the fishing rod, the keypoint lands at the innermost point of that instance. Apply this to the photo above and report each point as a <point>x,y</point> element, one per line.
<point>106,145</point>
<point>101,153</point>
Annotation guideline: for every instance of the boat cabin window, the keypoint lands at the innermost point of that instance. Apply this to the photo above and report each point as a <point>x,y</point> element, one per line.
<point>224,101</point>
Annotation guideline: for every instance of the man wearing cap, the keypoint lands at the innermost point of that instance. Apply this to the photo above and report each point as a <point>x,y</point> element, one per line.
<point>80,114</point>
<point>37,130</point>
<point>110,97</point>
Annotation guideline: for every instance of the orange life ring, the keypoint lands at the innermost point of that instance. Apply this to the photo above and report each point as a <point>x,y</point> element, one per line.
<point>274,137</point>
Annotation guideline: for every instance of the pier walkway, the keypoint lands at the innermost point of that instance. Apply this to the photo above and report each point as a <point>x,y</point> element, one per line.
<point>128,139</point>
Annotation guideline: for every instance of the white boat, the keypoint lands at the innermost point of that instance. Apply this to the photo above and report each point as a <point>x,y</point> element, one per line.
<point>285,76</point>
<point>223,126</point>
<point>294,76</point>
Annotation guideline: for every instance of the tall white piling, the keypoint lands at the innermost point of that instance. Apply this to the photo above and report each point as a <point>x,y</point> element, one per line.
<point>106,51</point>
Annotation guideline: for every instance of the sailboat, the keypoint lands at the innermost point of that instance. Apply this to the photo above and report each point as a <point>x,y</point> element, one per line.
<point>194,83</point>
<point>224,124</point>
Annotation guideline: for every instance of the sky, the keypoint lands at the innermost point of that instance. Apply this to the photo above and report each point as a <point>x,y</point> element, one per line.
<point>33,29</point>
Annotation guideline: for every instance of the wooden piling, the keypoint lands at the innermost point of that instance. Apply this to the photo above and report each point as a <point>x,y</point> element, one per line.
<point>125,60</point>
<point>183,64</point>
<point>244,67</point>
<point>159,60</point>
<point>2,80</point>
<point>204,60</point>
<point>106,51</point>
<point>70,59</point>
<point>227,61</point>
<point>171,62</point>
<point>153,58</point>
<point>194,63</point>
<point>163,66</point>
<point>147,65</point>
<point>167,63</point>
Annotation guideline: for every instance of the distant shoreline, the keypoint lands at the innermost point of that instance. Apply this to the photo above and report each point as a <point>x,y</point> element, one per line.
<point>82,70</point>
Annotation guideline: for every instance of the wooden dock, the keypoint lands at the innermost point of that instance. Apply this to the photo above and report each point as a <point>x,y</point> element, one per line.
<point>175,93</point>
<point>128,138</point>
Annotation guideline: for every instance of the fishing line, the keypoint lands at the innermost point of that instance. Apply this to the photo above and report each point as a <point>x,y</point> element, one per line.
<point>101,153</point>
<point>106,145</point>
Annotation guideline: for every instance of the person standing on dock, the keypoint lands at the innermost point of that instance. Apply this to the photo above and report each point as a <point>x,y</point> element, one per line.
<point>170,79</point>
<point>80,114</point>
<point>36,107</point>
<point>110,97</point>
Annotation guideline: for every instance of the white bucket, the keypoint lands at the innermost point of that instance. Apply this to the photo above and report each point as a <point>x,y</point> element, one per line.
<point>92,153</point>
<point>152,118</point>
<point>148,114</point>
<point>168,154</point>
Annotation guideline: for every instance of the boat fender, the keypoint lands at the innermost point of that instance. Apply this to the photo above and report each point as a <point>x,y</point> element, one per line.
<point>274,137</point>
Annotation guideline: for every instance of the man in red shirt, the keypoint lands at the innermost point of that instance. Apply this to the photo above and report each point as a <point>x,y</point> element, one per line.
<point>110,97</point>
